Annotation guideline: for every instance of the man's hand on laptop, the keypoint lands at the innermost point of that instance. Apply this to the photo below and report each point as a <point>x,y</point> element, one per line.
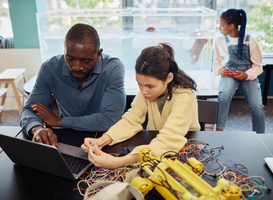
<point>46,114</point>
<point>44,135</point>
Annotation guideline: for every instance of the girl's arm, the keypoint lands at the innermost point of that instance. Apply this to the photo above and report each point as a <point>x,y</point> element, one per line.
<point>221,56</point>
<point>217,66</point>
<point>127,127</point>
<point>102,159</point>
<point>131,122</point>
<point>256,58</point>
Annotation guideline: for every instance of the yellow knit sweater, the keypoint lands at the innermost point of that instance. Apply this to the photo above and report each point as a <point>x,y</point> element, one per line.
<point>179,115</point>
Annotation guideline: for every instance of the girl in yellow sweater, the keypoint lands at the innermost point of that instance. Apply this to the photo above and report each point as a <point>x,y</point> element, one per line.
<point>166,93</point>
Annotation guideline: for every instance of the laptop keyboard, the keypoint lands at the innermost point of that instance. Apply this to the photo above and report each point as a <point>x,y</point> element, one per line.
<point>75,164</point>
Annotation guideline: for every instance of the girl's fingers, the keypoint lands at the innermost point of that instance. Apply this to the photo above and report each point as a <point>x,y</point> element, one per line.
<point>97,151</point>
<point>84,147</point>
<point>87,142</point>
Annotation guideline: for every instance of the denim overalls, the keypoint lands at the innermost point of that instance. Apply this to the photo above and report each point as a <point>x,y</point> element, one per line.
<point>251,89</point>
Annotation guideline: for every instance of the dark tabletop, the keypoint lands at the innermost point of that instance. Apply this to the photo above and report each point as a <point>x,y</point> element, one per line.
<point>10,131</point>
<point>267,139</point>
<point>18,182</point>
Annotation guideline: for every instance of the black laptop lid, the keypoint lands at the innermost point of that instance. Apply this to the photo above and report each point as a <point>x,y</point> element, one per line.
<point>35,155</point>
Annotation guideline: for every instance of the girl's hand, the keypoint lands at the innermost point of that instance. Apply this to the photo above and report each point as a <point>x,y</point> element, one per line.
<point>88,143</point>
<point>222,73</point>
<point>102,159</point>
<point>100,142</point>
<point>241,77</point>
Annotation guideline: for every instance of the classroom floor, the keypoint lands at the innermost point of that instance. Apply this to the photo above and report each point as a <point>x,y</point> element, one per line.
<point>239,118</point>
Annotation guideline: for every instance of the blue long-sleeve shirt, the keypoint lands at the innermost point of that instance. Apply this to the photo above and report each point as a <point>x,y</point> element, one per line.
<point>96,106</point>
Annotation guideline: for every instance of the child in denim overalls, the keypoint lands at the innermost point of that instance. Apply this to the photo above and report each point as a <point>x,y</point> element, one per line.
<point>239,53</point>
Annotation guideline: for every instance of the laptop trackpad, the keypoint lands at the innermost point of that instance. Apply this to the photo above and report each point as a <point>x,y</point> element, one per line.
<point>72,151</point>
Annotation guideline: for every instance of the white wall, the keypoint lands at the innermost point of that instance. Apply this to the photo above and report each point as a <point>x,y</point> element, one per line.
<point>30,59</point>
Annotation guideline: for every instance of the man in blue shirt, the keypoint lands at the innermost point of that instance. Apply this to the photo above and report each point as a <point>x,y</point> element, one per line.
<point>87,84</point>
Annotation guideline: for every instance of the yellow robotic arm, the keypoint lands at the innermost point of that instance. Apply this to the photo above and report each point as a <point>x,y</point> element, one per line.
<point>174,180</point>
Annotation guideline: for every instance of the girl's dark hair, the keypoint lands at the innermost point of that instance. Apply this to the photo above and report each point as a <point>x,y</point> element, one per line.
<point>83,34</point>
<point>237,17</point>
<point>158,61</point>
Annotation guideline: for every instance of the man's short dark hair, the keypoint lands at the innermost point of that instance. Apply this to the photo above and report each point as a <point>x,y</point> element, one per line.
<point>83,34</point>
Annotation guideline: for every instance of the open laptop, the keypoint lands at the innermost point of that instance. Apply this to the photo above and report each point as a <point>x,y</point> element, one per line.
<point>66,161</point>
<point>269,162</point>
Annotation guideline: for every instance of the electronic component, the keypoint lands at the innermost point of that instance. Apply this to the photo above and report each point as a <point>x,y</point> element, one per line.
<point>174,180</point>
<point>231,73</point>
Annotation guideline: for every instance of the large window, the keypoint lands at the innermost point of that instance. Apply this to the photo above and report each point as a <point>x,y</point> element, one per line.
<point>5,23</point>
<point>192,35</point>
<point>82,4</point>
<point>259,13</point>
